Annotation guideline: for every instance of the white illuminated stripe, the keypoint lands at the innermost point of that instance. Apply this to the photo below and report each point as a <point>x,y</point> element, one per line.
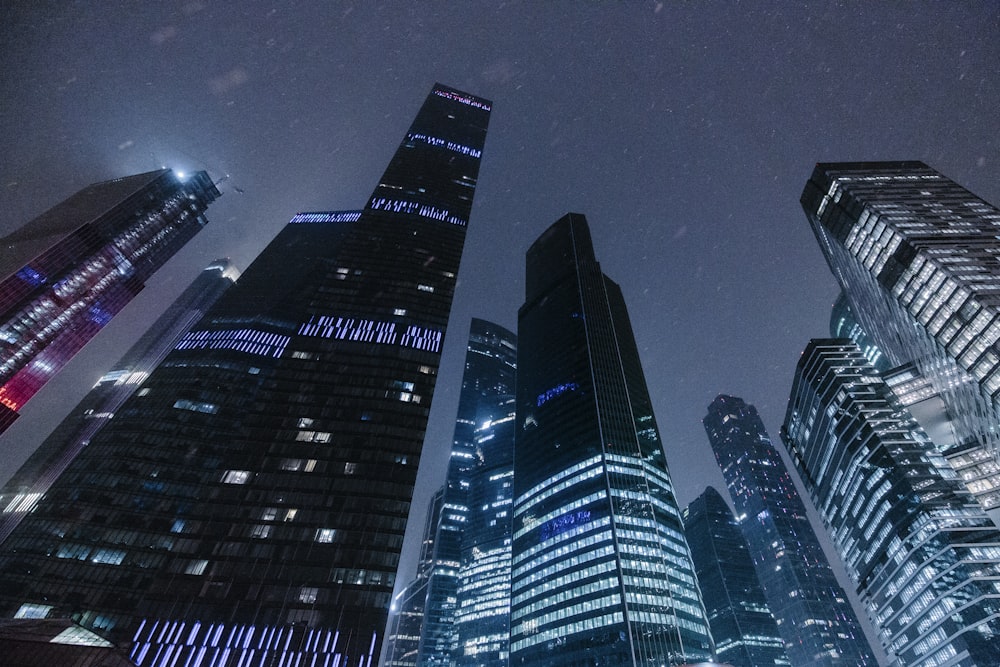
<point>325,217</point>
<point>372,331</point>
<point>23,502</point>
<point>251,341</point>
<point>415,208</point>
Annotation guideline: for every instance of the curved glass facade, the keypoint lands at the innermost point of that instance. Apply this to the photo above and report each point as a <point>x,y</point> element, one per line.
<point>601,572</point>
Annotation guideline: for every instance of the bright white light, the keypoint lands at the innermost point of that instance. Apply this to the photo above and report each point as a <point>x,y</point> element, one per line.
<point>181,175</point>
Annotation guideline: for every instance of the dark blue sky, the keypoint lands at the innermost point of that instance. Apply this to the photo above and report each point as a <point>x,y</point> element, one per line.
<point>684,131</point>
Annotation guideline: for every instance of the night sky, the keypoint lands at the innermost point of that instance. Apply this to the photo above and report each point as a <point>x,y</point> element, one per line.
<point>685,132</point>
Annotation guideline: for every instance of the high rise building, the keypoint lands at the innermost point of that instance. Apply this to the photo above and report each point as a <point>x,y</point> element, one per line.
<point>921,549</point>
<point>406,615</point>
<point>916,257</point>
<point>19,495</point>
<point>601,571</point>
<point>247,504</point>
<point>742,626</point>
<point>65,274</point>
<point>465,609</point>
<point>482,614</point>
<point>814,616</point>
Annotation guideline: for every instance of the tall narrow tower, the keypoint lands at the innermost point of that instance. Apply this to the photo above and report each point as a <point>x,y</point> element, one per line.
<point>814,617</point>
<point>247,505</point>
<point>467,601</point>
<point>602,573</point>
<point>65,274</point>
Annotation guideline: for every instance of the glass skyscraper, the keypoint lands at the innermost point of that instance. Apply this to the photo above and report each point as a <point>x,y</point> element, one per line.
<point>19,495</point>
<point>601,571</point>
<point>467,579</point>
<point>814,616</point>
<point>742,626</point>
<point>65,274</point>
<point>247,505</point>
<point>921,549</point>
<point>916,257</point>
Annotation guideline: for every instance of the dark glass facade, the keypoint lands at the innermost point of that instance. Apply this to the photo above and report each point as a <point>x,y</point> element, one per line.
<point>814,617</point>
<point>247,505</point>
<point>601,572</point>
<point>916,258</point>
<point>70,270</point>
<point>19,495</point>
<point>924,554</point>
<point>742,626</point>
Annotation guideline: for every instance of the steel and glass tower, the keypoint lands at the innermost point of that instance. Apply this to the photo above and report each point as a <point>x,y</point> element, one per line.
<point>742,626</point>
<point>19,495</point>
<point>601,571</point>
<point>916,257</point>
<point>65,274</point>
<point>814,617</point>
<point>247,505</point>
<point>922,551</point>
<point>482,614</point>
<point>466,605</point>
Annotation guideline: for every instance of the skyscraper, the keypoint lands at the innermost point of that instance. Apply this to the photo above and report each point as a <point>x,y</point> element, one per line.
<point>743,628</point>
<point>915,255</point>
<point>19,495</point>
<point>814,617</point>
<point>406,616</point>
<point>601,571</point>
<point>247,505</point>
<point>466,605</point>
<point>65,274</point>
<point>921,549</point>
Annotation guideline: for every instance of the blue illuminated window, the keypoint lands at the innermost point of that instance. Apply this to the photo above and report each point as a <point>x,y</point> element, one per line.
<point>549,394</point>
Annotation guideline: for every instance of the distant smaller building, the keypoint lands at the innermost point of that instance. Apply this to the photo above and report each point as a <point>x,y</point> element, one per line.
<point>743,628</point>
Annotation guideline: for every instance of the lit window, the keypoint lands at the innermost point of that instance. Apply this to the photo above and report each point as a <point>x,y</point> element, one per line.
<point>196,406</point>
<point>305,422</point>
<point>236,477</point>
<point>196,567</point>
<point>260,532</point>
<point>29,610</point>
<point>269,514</point>
<point>425,288</point>
<point>308,594</point>
<point>399,311</point>
<point>325,535</point>
<point>143,392</point>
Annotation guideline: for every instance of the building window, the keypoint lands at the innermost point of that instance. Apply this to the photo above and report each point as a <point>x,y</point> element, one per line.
<point>236,477</point>
<point>308,594</point>
<point>196,567</point>
<point>325,535</point>
<point>196,406</point>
